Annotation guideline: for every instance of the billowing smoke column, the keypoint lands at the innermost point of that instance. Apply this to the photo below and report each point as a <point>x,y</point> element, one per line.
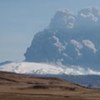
<point>69,39</point>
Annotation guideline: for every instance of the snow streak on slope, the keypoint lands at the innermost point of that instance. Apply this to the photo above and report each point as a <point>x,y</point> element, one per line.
<point>43,69</point>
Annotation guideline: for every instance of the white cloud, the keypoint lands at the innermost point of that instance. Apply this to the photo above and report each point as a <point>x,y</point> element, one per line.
<point>89,44</point>
<point>66,20</point>
<point>62,20</point>
<point>58,44</point>
<point>78,46</point>
<point>90,16</point>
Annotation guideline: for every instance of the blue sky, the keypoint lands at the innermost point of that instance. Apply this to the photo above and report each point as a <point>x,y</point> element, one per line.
<point>21,19</point>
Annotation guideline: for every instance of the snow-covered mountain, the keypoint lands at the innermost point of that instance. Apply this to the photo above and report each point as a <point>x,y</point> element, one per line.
<point>86,77</point>
<point>46,69</point>
<point>69,39</point>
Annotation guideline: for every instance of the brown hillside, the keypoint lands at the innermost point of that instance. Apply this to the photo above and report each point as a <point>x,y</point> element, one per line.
<point>24,87</point>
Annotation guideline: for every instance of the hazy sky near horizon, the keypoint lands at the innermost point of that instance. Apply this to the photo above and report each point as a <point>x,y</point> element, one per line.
<point>21,19</point>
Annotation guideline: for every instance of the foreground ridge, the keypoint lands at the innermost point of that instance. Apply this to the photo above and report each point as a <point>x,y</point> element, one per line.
<point>25,87</point>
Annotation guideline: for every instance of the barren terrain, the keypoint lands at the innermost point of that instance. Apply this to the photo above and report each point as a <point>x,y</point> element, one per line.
<point>24,87</point>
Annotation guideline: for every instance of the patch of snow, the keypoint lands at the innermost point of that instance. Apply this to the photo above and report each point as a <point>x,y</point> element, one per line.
<point>44,69</point>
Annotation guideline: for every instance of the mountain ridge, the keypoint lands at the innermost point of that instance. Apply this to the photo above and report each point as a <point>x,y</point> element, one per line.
<point>46,69</point>
<point>25,87</point>
<point>75,74</point>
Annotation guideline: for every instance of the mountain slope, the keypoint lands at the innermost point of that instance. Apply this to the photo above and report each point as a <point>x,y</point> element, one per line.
<point>25,87</point>
<point>75,74</point>
<point>46,69</point>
